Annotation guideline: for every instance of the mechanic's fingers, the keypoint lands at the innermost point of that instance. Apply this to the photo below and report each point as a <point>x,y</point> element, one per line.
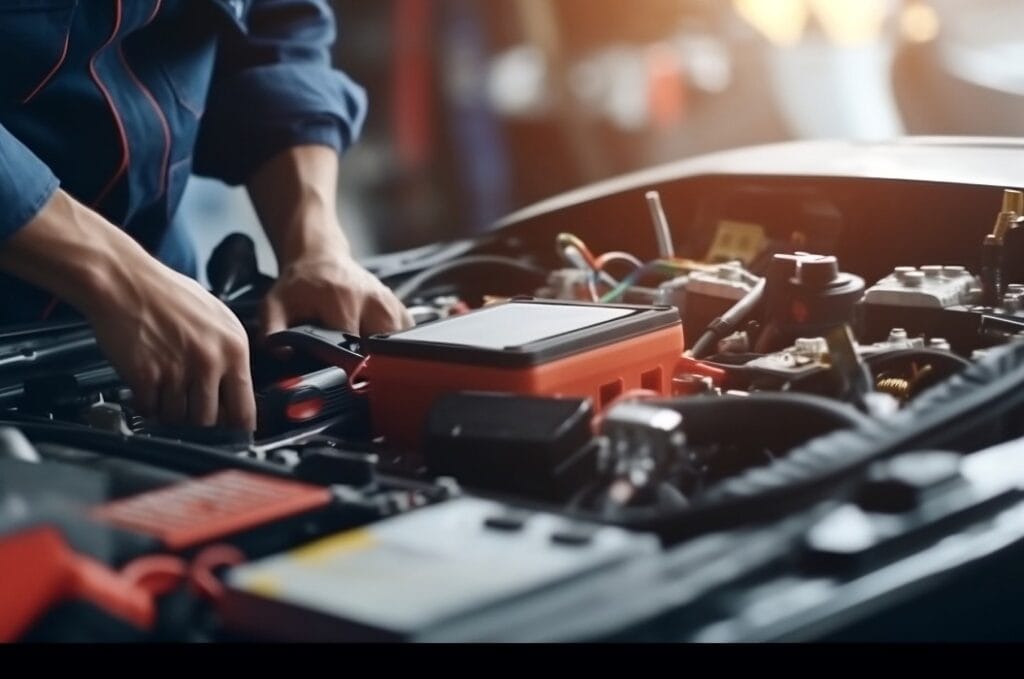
<point>341,314</point>
<point>275,316</point>
<point>146,394</point>
<point>237,402</point>
<point>398,317</point>
<point>203,395</point>
<point>173,407</point>
<point>404,319</point>
<point>384,315</point>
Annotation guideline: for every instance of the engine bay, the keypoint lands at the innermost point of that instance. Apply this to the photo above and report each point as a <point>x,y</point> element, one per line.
<point>713,402</point>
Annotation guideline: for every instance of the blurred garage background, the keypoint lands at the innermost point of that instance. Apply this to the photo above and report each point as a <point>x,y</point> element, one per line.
<point>479,107</point>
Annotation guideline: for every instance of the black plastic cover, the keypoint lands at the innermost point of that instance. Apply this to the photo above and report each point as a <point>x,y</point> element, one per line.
<point>508,444</point>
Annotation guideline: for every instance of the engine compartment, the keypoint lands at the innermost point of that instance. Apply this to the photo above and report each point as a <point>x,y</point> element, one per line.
<point>701,389</point>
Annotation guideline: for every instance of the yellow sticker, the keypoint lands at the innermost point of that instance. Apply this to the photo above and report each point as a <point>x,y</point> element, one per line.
<point>740,241</point>
<point>268,586</point>
<point>318,552</point>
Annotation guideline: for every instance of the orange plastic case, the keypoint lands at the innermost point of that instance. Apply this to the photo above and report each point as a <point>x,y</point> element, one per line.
<point>556,349</point>
<point>199,511</point>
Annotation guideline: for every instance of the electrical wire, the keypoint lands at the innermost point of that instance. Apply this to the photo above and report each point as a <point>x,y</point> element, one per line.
<point>604,260</point>
<point>722,327</point>
<point>575,258</point>
<point>358,387</point>
<point>611,257</point>
<point>407,290</point>
<point>566,240</point>
<point>579,259</point>
<point>203,572</point>
<point>159,575</point>
<point>630,281</point>
<point>578,255</point>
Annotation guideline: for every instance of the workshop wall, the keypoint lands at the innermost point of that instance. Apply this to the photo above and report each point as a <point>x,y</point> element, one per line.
<point>479,107</point>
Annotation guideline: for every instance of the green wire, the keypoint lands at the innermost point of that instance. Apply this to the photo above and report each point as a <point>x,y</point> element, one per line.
<point>633,279</point>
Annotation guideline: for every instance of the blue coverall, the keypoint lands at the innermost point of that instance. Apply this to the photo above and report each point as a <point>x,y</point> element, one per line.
<point>117,102</point>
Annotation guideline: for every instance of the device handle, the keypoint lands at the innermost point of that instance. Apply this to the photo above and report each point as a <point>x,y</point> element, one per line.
<point>330,347</point>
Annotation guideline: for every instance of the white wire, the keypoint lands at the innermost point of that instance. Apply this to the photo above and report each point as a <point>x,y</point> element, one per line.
<point>572,255</point>
<point>620,257</point>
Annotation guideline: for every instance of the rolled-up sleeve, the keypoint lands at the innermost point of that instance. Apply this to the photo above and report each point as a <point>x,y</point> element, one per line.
<point>26,184</point>
<point>274,88</point>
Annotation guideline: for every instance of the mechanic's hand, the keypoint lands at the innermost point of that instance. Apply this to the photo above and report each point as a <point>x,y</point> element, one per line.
<point>295,195</point>
<point>334,292</point>
<point>183,353</point>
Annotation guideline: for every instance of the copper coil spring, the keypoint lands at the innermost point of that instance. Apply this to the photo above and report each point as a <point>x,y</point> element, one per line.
<point>895,386</point>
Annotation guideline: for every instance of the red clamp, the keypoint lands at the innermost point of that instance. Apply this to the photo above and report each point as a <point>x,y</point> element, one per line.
<point>688,364</point>
<point>42,571</point>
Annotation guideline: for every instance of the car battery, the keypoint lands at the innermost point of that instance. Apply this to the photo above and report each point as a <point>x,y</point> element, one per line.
<point>523,347</point>
<point>465,570</point>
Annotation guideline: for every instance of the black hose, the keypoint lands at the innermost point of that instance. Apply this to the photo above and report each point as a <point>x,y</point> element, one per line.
<point>407,290</point>
<point>890,360</point>
<point>985,398</point>
<point>175,455</point>
<point>774,420</point>
<point>779,421</point>
<point>720,328</point>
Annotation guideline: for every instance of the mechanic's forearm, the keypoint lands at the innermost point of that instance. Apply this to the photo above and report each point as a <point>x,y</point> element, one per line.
<point>319,282</point>
<point>295,196</point>
<point>75,253</point>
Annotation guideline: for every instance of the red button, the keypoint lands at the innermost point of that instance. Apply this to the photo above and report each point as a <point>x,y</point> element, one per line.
<point>305,409</point>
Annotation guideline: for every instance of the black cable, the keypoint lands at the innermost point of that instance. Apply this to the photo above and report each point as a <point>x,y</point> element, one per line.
<point>178,456</point>
<point>969,411</point>
<point>897,358</point>
<point>720,328</point>
<point>714,420</point>
<point>407,290</point>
